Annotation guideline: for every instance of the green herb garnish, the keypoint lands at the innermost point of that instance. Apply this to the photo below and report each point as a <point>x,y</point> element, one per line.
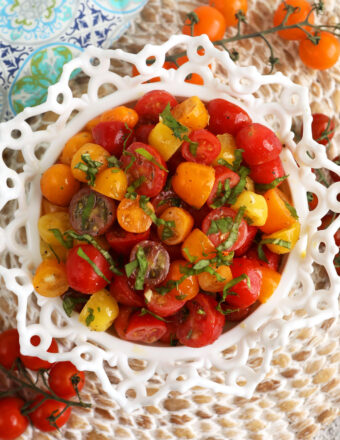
<point>89,167</point>
<point>90,316</point>
<point>143,152</point>
<point>70,302</point>
<point>262,187</point>
<point>96,269</point>
<point>167,119</point>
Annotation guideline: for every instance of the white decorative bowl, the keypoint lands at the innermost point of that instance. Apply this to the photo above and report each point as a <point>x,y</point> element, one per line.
<point>265,328</point>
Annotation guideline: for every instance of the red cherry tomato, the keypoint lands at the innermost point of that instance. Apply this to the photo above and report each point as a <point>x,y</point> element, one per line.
<point>212,221</point>
<point>33,362</point>
<point>100,217</point>
<point>81,275</point>
<point>237,315</point>
<point>322,128</point>
<point>169,337</point>
<point>203,324</point>
<point>252,230</point>
<point>205,147</point>
<point>267,172</point>
<point>221,175</point>
<point>273,259</point>
<point>150,105</point>
<point>151,172</point>
<point>259,144</point>
<point>122,241</point>
<point>40,416</point>
<point>122,320</point>
<point>145,328</point>
<point>335,177</point>
<point>64,379</point>
<point>124,293</point>
<point>226,117</point>
<point>112,135</point>
<point>9,347</point>
<point>142,132</point>
<point>12,422</point>
<point>246,294</point>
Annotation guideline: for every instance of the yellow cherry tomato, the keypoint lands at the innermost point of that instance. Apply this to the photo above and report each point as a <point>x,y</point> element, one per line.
<point>131,216</point>
<point>48,251</point>
<point>197,246</point>
<point>270,281</point>
<point>73,145</point>
<point>210,282</point>
<point>95,153</point>
<point>290,235</point>
<point>193,182</point>
<point>58,184</point>
<point>50,278</point>
<point>183,224</point>
<point>100,311</point>
<point>228,147</point>
<point>48,207</point>
<point>111,182</point>
<point>256,207</point>
<point>192,113</point>
<point>161,137</point>
<point>55,220</point>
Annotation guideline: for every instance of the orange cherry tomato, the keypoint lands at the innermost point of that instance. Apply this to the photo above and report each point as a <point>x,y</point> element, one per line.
<point>303,7</point>
<point>111,182</point>
<point>92,123</point>
<point>188,288</point>
<point>96,153</point>
<point>123,114</point>
<point>320,56</point>
<point>210,22</point>
<point>197,246</point>
<point>279,216</point>
<point>270,281</point>
<point>58,184</point>
<point>131,216</point>
<point>210,283</point>
<point>229,8</point>
<point>192,113</point>
<point>193,182</point>
<point>50,279</point>
<point>183,225</point>
<point>47,207</point>
<point>73,145</point>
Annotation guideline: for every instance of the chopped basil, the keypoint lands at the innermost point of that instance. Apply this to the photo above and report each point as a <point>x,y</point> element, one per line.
<point>89,167</point>
<point>321,177</point>
<point>146,311</point>
<point>180,297</point>
<point>291,209</point>
<point>130,267</point>
<point>201,311</point>
<point>90,316</point>
<point>143,203</point>
<point>310,196</point>
<point>65,240</point>
<point>130,191</point>
<point>126,138</point>
<point>189,334</point>
<point>227,291</point>
<point>262,187</point>
<point>173,201</point>
<point>143,152</point>
<point>142,268</point>
<point>236,191</point>
<point>276,241</point>
<point>167,119</point>
<point>232,237</point>
<point>191,258</point>
<point>222,225</point>
<point>113,162</point>
<point>222,194</point>
<point>86,212</point>
<point>133,159</point>
<point>85,257</point>
<point>236,163</point>
<point>193,146</point>
<point>69,304</point>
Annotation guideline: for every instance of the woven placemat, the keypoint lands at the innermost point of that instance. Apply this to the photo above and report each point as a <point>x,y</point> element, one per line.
<point>301,392</point>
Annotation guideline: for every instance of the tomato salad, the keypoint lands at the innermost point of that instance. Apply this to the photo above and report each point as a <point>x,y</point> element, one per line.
<point>165,219</point>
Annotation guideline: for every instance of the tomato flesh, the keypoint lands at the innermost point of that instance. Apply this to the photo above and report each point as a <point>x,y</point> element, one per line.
<point>124,293</point>
<point>122,241</point>
<point>221,175</point>
<point>145,328</point>
<point>203,148</point>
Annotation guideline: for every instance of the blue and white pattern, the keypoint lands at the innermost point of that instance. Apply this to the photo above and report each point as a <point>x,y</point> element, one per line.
<point>38,36</point>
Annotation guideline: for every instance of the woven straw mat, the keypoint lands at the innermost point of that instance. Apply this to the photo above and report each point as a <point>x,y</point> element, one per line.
<point>301,392</point>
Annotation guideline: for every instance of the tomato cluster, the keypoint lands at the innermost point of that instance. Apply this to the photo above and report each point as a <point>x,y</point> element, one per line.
<point>162,220</point>
<point>64,381</point>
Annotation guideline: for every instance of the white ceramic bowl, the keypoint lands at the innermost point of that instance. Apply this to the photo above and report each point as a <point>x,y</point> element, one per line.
<point>264,328</point>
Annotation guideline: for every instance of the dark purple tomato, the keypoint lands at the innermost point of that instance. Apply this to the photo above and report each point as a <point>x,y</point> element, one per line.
<point>91,213</point>
<point>226,117</point>
<point>158,261</point>
<point>112,135</point>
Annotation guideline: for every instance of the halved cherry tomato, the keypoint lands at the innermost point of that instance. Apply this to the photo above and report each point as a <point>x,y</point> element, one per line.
<point>124,293</point>
<point>50,278</point>
<point>157,259</point>
<point>237,315</point>
<point>259,144</point>
<point>97,154</point>
<point>58,184</point>
<point>150,105</point>
<point>166,199</point>
<point>121,322</point>
<point>62,377</point>
<point>273,260</point>
<point>91,213</point>
<point>210,283</point>
<point>302,10</point>
<point>221,175</point>
<point>279,215</point>
<point>122,241</point>
<point>113,136</point>
<point>81,275</point>
<point>267,172</point>
<point>210,22</point>
<point>320,56</point>
<point>144,328</point>
<point>290,234</point>
<point>229,9</point>
<point>203,148</point>
<point>247,291</point>
<point>169,337</point>
<point>213,221</point>
<point>112,183</point>
<point>197,246</point>
<point>203,324</point>
<point>122,114</point>
<point>151,170</point>
<point>41,415</point>
<point>73,145</point>
<point>9,347</point>
<point>34,363</point>
<point>192,113</point>
<point>131,216</point>
<point>322,128</point>
<point>270,281</point>
<point>252,231</point>
<point>141,133</point>
<point>183,223</point>
<point>226,117</point>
